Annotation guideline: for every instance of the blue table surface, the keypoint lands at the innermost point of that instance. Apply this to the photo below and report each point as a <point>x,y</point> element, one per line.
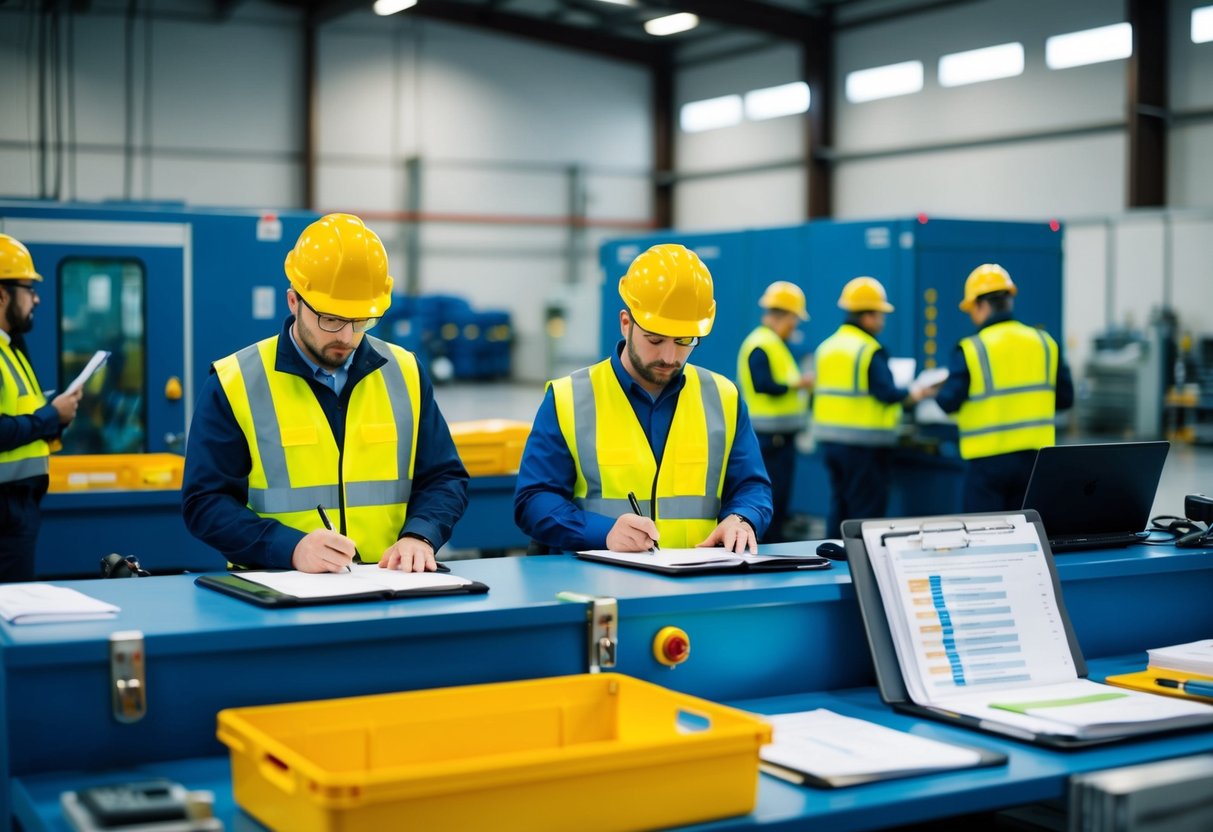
<point>1031,774</point>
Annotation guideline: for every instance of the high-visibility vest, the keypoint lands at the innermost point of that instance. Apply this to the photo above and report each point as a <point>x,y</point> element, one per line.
<point>20,395</point>
<point>613,456</point>
<point>783,413</point>
<point>843,409</point>
<point>297,464</point>
<point>1012,390</point>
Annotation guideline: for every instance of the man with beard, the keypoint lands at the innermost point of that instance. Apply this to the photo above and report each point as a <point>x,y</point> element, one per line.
<point>323,423</point>
<point>28,424</point>
<point>646,426</point>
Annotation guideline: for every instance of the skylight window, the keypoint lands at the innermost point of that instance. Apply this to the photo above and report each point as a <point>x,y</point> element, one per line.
<point>671,24</point>
<point>773,102</point>
<point>1202,24</point>
<point>884,81</point>
<point>710,114</point>
<point>977,65</point>
<point>1090,46</point>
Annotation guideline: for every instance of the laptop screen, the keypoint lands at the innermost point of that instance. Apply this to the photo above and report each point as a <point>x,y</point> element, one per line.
<point>1096,489</point>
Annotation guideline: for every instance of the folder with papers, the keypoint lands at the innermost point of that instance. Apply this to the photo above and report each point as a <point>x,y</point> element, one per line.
<point>364,582</point>
<point>699,561</point>
<point>966,623</point>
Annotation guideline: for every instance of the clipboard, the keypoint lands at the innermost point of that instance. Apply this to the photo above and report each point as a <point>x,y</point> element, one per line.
<point>889,679</point>
<point>263,596</point>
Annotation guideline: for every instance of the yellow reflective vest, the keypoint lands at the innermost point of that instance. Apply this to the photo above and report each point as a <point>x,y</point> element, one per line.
<point>843,409</point>
<point>784,413</point>
<point>1012,390</point>
<point>296,463</point>
<point>613,456</point>
<point>20,395</point>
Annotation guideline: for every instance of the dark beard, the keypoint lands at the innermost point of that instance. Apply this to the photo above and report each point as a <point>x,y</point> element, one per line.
<point>16,325</point>
<point>643,369</point>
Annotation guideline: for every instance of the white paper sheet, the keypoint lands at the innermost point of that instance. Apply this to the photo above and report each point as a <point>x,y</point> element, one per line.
<point>94,364</point>
<point>363,579</point>
<point>46,603</point>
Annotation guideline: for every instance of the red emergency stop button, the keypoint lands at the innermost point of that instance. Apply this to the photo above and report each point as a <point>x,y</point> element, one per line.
<point>671,646</point>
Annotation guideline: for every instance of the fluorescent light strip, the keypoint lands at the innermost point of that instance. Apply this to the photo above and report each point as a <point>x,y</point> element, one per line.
<point>671,24</point>
<point>1090,46</point>
<point>710,114</point>
<point>620,2</point>
<point>386,7</point>
<point>773,102</point>
<point>1202,24</point>
<point>884,81</point>
<point>976,65</point>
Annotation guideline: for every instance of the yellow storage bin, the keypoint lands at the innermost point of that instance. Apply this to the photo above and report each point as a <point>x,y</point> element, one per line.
<point>593,752</point>
<point>490,447</point>
<point>89,472</point>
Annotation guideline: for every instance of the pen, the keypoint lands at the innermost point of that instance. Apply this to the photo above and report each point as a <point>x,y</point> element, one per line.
<point>328,524</point>
<point>636,510</point>
<point>1204,689</point>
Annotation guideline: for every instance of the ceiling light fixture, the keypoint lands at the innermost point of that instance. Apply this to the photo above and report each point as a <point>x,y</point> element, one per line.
<point>987,64</point>
<point>773,102</point>
<point>1090,46</point>
<point>671,24</point>
<point>1202,24</point>
<point>884,81</point>
<point>385,7</point>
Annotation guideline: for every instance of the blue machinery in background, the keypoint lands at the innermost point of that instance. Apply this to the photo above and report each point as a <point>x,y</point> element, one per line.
<point>922,263</point>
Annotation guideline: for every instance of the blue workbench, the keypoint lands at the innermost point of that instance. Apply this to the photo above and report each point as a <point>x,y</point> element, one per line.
<point>792,636</point>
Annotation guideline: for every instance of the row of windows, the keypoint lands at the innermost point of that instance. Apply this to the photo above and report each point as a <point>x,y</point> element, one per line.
<point>1006,60</point>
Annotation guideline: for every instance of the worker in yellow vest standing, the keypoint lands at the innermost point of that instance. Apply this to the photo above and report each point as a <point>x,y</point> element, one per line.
<point>1005,385</point>
<point>28,423</point>
<point>776,391</point>
<point>857,407</point>
<point>644,447</point>
<point>323,445</point>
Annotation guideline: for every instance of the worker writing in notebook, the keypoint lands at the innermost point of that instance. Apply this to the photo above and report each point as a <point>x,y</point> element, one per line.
<point>323,414</point>
<point>1005,385</point>
<point>646,422</point>
<point>29,425</point>
<point>857,406</point>
<point>776,392</point>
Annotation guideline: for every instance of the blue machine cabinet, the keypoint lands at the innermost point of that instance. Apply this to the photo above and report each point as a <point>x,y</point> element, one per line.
<point>922,262</point>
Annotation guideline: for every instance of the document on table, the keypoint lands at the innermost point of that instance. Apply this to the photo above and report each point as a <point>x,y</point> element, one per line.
<point>714,559</point>
<point>363,579</point>
<point>825,748</point>
<point>1193,657</point>
<point>47,603</point>
<point>94,364</point>
<point>978,630</point>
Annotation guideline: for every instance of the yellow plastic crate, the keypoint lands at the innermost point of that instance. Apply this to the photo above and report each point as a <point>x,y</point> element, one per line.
<point>593,752</point>
<point>88,472</point>
<point>490,447</point>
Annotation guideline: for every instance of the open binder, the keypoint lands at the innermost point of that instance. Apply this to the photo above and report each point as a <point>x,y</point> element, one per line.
<point>966,624</point>
<point>364,582</point>
<point>707,560</point>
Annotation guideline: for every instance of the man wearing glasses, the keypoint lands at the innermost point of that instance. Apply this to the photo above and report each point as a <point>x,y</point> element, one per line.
<point>323,445</point>
<point>28,423</point>
<point>644,448</point>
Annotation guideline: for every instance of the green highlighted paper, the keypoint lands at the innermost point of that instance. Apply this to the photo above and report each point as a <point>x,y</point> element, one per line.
<point>1025,707</point>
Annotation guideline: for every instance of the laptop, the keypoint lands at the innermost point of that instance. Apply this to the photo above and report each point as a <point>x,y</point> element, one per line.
<point>1095,496</point>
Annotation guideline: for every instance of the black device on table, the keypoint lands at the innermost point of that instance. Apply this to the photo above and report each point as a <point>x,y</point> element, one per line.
<point>127,804</point>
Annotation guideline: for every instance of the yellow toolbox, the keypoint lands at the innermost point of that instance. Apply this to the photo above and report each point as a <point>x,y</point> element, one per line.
<point>85,472</point>
<point>592,752</point>
<point>490,447</point>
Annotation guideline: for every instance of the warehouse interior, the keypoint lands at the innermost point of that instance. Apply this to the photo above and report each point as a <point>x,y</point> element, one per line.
<point>160,158</point>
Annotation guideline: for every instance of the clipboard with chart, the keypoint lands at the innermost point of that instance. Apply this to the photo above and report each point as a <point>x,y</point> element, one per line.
<point>966,622</point>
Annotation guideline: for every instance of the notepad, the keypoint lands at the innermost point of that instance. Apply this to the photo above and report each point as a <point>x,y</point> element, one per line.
<point>1193,657</point>
<point>364,582</point>
<point>823,748</point>
<point>48,604</point>
<point>691,561</point>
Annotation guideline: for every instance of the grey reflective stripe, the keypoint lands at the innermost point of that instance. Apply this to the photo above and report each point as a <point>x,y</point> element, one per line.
<point>402,411</point>
<point>19,469</point>
<point>858,364</point>
<point>378,492</point>
<point>1033,423</point>
<point>983,358</point>
<point>840,392</point>
<point>1010,391</point>
<point>265,426</point>
<point>1044,342</point>
<point>21,388</point>
<point>713,410</point>
<point>611,508</point>
<point>285,499</point>
<point>585,415</point>
<point>855,436</point>
<point>777,424</point>
<point>688,508</point>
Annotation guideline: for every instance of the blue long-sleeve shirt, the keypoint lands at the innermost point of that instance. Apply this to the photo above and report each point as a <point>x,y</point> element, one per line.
<point>543,500</point>
<point>955,391</point>
<point>761,376</point>
<point>217,465</point>
<point>880,380</point>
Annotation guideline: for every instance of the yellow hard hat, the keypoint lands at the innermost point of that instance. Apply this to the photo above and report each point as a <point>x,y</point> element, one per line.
<point>15,260</point>
<point>786,297</point>
<point>339,266</point>
<point>986,278</point>
<point>668,291</point>
<point>864,294</point>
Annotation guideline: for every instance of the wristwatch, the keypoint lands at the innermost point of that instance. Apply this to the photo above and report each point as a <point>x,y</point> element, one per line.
<point>422,538</point>
<point>742,519</point>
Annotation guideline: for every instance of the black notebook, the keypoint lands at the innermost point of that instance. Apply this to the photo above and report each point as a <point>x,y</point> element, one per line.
<point>707,560</point>
<point>364,582</point>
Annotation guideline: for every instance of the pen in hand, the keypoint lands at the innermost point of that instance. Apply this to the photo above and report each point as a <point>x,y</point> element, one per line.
<point>328,524</point>
<point>636,510</point>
